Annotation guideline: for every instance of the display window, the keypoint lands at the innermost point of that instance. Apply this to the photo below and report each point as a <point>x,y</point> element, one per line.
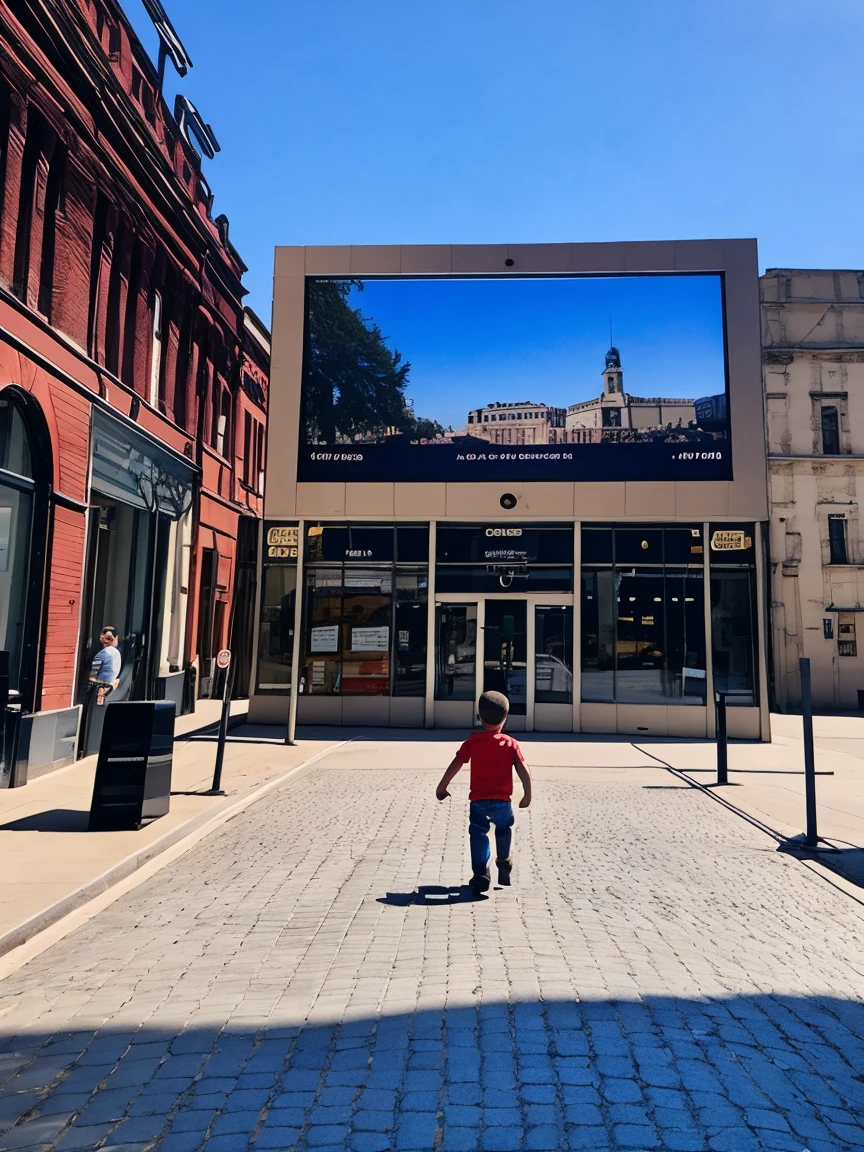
<point>365,631</point>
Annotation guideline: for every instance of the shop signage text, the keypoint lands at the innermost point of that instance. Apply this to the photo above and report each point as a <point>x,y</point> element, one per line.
<point>730,540</point>
<point>282,543</point>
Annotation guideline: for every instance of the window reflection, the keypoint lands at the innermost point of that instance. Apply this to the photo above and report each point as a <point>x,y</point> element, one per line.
<point>733,628</point>
<point>553,655</point>
<point>276,632</point>
<point>456,651</point>
<point>365,631</point>
<point>661,638</point>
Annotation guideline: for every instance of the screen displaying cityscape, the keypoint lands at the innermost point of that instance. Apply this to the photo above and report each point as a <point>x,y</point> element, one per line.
<point>519,378</point>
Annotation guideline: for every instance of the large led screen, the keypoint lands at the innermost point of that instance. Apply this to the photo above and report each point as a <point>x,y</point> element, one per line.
<point>523,378</point>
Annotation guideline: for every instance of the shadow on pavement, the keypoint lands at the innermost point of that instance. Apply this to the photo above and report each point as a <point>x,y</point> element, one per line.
<point>745,1073</point>
<point>430,895</point>
<point>54,820</point>
<point>846,862</point>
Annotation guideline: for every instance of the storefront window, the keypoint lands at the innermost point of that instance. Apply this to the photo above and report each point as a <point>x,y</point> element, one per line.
<point>456,652</point>
<point>366,611</point>
<point>276,632</point>
<point>733,628</point>
<point>365,631</point>
<point>733,612</point>
<point>16,519</point>
<point>410,633</point>
<point>643,626</point>
<point>553,655</point>
<point>510,558</point>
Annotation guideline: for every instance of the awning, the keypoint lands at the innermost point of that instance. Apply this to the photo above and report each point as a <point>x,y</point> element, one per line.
<point>135,470</point>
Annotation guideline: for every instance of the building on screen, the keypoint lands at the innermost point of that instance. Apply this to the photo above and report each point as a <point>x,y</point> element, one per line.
<point>591,421</point>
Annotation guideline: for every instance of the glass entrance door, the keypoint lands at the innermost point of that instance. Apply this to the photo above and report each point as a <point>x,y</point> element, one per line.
<point>505,651</point>
<point>522,647</point>
<point>456,652</point>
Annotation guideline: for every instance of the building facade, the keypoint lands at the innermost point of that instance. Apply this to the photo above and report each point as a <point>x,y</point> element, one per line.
<point>132,383</point>
<point>619,601</point>
<point>612,417</point>
<point>813,360</point>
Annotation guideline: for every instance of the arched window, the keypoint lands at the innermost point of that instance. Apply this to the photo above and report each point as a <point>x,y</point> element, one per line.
<point>25,456</point>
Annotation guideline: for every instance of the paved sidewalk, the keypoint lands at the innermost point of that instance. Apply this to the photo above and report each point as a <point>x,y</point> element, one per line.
<point>767,781</point>
<point>658,977</point>
<point>51,864</point>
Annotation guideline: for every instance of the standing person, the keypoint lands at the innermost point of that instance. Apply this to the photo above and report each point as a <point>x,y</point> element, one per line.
<point>105,669</point>
<point>494,757</point>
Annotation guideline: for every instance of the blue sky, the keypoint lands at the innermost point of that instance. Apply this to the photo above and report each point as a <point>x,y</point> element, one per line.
<point>471,342</point>
<point>501,121</point>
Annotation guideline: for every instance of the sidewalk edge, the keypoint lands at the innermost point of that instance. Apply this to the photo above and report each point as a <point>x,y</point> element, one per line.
<point>130,864</point>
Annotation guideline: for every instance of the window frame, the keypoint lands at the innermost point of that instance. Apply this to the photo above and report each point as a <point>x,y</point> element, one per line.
<point>838,542</point>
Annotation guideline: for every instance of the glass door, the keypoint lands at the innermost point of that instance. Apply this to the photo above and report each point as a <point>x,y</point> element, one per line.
<point>505,651</point>
<point>456,652</point>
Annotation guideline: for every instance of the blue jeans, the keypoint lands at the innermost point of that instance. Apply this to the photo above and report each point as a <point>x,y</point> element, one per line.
<point>481,815</point>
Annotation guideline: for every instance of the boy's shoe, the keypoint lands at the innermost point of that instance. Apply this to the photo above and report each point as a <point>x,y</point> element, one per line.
<point>481,880</point>
<point>505,867</point>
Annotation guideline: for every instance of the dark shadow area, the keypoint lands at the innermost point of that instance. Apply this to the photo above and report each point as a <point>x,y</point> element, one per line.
<point>847,862</point>
<point>739,1074</point>
<point>54,820</point>
<point>757,771</point>
<point>432,895</point>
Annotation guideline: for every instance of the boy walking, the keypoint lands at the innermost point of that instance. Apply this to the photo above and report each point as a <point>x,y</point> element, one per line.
<point>493,757</point>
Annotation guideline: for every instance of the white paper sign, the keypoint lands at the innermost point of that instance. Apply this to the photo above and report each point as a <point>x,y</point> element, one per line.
<point>370,639</point>
<point>324,639</point>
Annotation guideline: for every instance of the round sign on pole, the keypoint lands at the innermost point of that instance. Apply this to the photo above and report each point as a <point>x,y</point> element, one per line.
<point>224,658</point>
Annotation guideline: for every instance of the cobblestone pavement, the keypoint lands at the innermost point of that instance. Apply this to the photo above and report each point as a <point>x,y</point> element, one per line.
<point>658,977</point>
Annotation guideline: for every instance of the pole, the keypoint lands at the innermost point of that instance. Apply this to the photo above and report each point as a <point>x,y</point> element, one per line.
<point>217,790</point>
<point>812,837</point>
<point>17,775</point>
<point>295,639</point>
<point>722,744</point>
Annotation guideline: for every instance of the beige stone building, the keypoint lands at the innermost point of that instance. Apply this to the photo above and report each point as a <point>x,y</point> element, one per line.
<point>517,423</point>
<point>588,422</point>
<point>813,356</point>
<point>616,408</point>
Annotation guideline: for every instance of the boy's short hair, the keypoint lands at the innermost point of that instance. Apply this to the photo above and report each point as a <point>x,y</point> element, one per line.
<point>493,707</point>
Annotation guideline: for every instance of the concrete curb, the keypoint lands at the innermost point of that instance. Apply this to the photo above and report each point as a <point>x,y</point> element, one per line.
<point>211,820</point>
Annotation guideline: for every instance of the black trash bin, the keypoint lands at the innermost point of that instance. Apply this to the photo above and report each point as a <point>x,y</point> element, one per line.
<point>861,700</point>
<point>133,773</point>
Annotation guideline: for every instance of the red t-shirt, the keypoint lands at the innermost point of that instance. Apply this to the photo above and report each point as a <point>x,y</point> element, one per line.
<point>491,757</point>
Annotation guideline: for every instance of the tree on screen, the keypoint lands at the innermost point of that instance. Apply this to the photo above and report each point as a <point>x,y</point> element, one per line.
<point>354,383</point>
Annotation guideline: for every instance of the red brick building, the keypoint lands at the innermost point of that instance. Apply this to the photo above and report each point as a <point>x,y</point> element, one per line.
<point>133,384</point>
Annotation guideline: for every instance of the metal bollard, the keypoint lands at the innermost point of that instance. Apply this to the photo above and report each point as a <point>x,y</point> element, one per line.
<point>216,789</point>
<point>722,740</point>
<point>12,731</point>
<point>811,839</point>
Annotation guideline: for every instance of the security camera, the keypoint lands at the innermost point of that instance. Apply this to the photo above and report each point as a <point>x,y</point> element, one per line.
<point>508,500</point>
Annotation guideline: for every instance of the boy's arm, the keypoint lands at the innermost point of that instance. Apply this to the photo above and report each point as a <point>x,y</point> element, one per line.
<point>521,769</point>
<point>441,791</point>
